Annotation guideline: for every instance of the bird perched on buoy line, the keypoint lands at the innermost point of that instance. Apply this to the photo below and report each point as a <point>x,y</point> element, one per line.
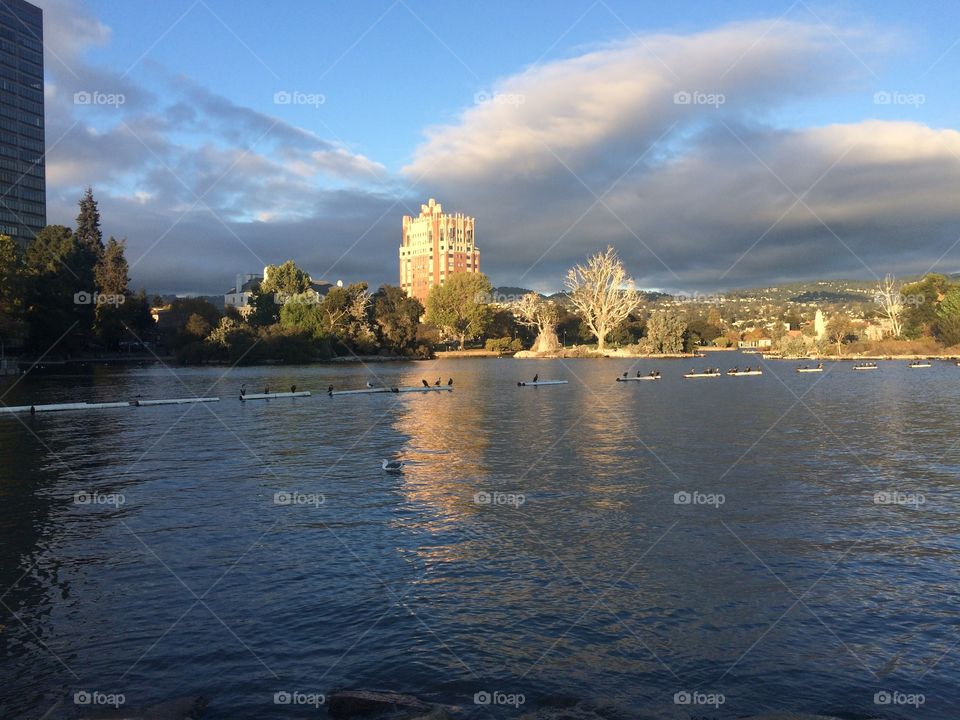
<point>392,465</point>
<point>425,383</point>
<point>450,382</point>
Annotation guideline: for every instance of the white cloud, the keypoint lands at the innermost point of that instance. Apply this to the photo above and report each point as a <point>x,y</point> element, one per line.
<point>690,187</point>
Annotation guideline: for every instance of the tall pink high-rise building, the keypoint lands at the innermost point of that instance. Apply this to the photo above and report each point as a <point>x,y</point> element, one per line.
<point>434,246</point>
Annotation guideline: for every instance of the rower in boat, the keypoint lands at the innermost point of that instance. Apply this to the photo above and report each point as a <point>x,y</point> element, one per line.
<point>450,382</point>
<point>330,390</point>
<point>425,383</point>
<point>536,377</point>
<point>243,390</point>
<point>437,383</point>
<point>266,390</point>
<point>624,375</point>
<point>638,374</point>
<point>293,388</point>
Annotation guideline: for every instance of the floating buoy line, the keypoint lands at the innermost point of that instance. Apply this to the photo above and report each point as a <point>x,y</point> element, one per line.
<point>371,389</point>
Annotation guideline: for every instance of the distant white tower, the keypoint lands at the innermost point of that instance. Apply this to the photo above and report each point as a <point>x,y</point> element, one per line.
<point>819,325</point>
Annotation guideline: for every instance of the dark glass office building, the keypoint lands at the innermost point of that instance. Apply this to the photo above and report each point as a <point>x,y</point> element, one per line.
<point>23,202</point>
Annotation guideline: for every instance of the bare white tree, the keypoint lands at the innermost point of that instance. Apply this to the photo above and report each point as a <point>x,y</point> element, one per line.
<point>602,293</point>
<point>890,300</point>
<point>536,312</point>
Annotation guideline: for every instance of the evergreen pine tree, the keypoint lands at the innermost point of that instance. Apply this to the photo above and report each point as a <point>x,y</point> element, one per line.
<point>88,233</point>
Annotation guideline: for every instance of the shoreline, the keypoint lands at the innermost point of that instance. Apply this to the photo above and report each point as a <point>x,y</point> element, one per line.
<point>15,369</point>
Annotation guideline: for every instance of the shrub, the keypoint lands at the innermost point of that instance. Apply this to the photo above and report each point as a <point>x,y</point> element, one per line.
<point>502,344</point>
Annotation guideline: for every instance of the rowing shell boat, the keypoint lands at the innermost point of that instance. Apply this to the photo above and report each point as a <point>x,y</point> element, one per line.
<point>271,396</point>
<point>866,367</point>
<point>636,379</point>
<point>806,370</point>
<point>919,365</point>
<point>701,375</point>
<point>745,373</point>
<point>541,382</point>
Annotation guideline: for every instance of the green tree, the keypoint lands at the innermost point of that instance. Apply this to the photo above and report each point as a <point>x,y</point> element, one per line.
<point>703,332</point>
<point>458,307</point>
<point>197,326</point>
<point>229,340</point>
<point>280,282</point>
<point>88,232</point>
<point>111,269</point>
<point>302,312</point>
<point>60,291</point>
<point>12,289</point>
<point>345,313</point>
<point>839,329</point>
<point>266,311</point>
<point>948,318</point>
<point>181,315</point>
<point>110,274</point>
<point>135,318</point>
<point>921,299</point>
<point>665,333</point>
<point>286,279</point>
<point>716,319</point>
<point>397,318</point>
<point>791,346</point>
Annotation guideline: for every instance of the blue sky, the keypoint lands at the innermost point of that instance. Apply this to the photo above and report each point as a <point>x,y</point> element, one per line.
<point>400,121</point>
<point>340,49</point>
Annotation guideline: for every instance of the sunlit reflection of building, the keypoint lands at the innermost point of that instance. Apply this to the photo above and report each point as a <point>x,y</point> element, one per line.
<point>445,453</point>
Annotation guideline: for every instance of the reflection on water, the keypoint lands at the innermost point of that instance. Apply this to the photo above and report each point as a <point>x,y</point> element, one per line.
<point>533,544</point>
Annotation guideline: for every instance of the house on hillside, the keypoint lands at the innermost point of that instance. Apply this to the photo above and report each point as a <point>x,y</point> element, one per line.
<point>240,295</point>
<point>755,338</point>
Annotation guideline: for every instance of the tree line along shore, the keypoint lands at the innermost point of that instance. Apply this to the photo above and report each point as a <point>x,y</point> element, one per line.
<point>67,296</point>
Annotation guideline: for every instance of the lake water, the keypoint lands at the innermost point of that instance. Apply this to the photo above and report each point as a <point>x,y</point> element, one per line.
<point>785,582</point>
